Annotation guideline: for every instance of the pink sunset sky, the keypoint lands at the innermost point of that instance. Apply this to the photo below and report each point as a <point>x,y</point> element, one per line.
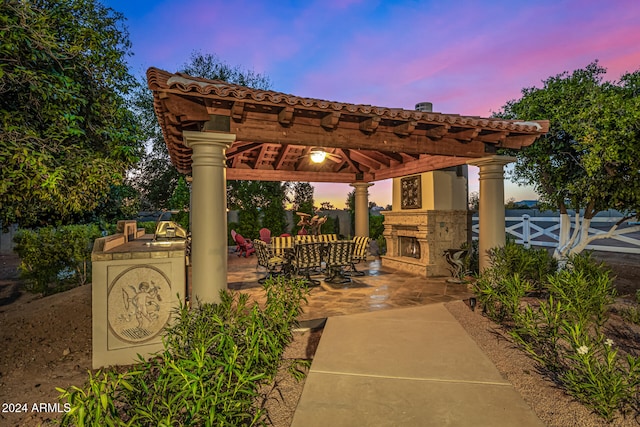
<point>466,57</point>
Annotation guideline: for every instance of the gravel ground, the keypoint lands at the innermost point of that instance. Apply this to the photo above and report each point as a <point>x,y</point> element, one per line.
<point>554,407</point>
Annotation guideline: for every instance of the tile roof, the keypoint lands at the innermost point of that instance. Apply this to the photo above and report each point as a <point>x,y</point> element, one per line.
<point>275,132</point>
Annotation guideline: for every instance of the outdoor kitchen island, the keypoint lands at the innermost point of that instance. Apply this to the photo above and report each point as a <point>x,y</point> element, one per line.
<point>137,282</point>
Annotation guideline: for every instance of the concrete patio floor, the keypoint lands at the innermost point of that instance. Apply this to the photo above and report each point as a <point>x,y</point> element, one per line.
<point>379,289</point>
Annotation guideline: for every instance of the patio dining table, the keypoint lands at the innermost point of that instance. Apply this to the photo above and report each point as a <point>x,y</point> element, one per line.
<point>320,257</point>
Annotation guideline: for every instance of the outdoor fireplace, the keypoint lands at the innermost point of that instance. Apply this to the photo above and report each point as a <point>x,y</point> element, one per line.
<point>409,247</point>
<point>416,239</point>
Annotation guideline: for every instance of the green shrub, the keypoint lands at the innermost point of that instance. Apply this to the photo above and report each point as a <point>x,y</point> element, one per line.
<point>500,297</point>
<point>590,267</point>
<point>216,358</point>
<point>52,259</point>
<point>533,265</point>
<point>586,292</point>
<point>376,226</point>
<point>149,226</point>
<point>563,330</point>
<point>329,226</point>
<point>382,245</point>
<point>595,374</point>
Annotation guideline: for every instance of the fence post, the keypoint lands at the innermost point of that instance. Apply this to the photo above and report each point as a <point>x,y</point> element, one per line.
<point>526,231</point>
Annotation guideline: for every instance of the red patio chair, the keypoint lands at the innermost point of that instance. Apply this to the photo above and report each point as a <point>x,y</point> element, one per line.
<point>265,235</point>
<point>233,236</point>
<point>246,247</point>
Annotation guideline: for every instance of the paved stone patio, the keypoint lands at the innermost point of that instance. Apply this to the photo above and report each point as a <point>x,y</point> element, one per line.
<point>380,288</point>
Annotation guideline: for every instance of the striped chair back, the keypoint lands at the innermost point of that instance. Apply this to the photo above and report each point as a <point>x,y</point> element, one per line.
<point>307,255</point>
<point>304,238</point>
<point>326,238</point>
<point>340,253</point>
<point>280,244</point>
<point>361,249</point>
<point>262,253</point>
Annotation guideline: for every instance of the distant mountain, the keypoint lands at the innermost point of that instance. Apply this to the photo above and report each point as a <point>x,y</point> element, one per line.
<point>528,203</point>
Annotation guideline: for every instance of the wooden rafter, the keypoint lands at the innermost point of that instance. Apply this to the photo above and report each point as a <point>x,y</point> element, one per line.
<point>282,155</point>
<point>366,160</point>
<point>261,155</point>
<point>370,124</point>
<point>237,110</point>
<point>464,134</point>
<point>352,165</point>
<point>405,129</point>
<point>330,121</point>
<point>285,116</point>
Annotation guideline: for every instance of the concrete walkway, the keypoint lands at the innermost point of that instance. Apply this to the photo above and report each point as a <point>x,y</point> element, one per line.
<point>405,367</point>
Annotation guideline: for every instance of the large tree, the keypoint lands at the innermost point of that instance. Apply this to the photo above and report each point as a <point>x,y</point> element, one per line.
<point>590,159</point>
<point>157,178</point>
<point>66,134</point>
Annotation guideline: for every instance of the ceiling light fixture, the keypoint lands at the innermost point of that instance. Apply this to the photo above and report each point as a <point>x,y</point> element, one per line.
<point>317,155</point>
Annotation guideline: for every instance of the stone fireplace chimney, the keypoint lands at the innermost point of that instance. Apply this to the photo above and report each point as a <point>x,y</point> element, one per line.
<point>429,216</point>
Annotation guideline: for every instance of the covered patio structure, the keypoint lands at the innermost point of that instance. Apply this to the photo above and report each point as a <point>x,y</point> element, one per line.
<point>216,131</point>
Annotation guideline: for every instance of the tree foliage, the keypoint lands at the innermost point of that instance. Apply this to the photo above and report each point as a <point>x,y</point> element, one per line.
<point>66,135</point>
<point>180,201</point>
<point>156,177</point>
<point>590,159</point>
<point>303,197</point>
<point>260,204</point>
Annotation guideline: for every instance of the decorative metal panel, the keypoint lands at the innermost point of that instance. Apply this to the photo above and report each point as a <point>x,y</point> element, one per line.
<point>411,192</point>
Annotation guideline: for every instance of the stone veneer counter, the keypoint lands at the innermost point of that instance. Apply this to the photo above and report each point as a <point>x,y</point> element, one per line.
<point>140,249</point>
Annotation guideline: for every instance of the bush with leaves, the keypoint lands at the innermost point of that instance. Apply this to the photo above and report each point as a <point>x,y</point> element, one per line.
<point>562,329</point>
<point>216,358</point>
<point>149,226</point>
<point>52,258</point>
<point>376,226</point>
<point>514,272</point>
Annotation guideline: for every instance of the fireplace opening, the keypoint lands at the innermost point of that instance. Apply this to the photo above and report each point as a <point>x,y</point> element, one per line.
<point>409,247</point>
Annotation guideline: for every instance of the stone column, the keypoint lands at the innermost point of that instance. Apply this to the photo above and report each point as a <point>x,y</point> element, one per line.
<point>362,208</point>
<point>491,210</point>
<point>208,214</point>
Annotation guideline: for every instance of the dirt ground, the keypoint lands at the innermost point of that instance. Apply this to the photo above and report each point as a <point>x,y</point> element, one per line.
<point>46,343</point>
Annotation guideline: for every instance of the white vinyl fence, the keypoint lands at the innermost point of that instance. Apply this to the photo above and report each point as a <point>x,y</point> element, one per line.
<point>543,231</point>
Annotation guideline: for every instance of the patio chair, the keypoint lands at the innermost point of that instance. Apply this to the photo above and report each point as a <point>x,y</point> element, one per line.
<point>233,237</point>
<point>265,235</point>
<point>304,238</point>
<point>246,247</point>
<point>339,256</point>
<point>281,245</point>
<point>273,264</point>
<point>326,238</point>
<point>360,253</point>
<point>307,259</point>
